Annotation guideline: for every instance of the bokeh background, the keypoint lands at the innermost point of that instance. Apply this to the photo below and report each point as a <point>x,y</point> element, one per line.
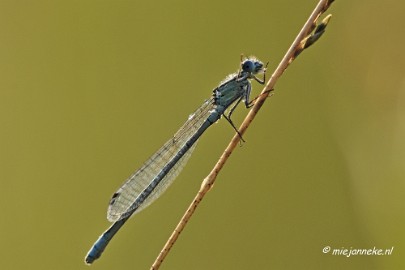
<point>90,89</point>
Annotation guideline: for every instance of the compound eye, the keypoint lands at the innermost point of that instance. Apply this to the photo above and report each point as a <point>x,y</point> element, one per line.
<point>248,66</point>
<point>258,65</point>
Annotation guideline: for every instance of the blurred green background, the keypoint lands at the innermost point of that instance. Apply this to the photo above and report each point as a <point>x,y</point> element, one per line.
<point>90,89</point>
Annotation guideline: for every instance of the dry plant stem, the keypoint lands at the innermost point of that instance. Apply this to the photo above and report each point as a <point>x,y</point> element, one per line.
<point>208,182</point>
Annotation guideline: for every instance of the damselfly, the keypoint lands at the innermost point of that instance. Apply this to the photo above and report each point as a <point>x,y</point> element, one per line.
<point>159,171</point>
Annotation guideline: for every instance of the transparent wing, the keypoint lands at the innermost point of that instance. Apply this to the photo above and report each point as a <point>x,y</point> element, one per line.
<point>120,206</point>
